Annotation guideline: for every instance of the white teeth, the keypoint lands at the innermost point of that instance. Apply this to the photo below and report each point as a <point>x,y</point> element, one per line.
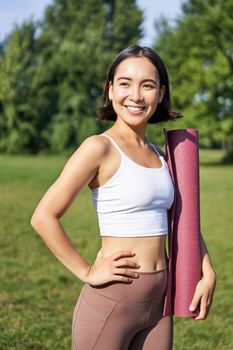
<point>135,109</point>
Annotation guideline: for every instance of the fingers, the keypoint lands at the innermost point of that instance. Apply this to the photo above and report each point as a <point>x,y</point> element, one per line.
<point>126,263</point>
<point>195,300</point>
<point>115,267</point>
<point>126,272</point>
<point>122,267</point>
<point>124,279</point>
<point>204,300</point>
<point>204,310</point>
<point>122,254</point>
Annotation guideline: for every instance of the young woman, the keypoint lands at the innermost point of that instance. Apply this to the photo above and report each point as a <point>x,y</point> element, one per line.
<point>121,304</point>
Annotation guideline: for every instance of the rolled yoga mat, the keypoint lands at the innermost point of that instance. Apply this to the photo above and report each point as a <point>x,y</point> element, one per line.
<point>182,151</point>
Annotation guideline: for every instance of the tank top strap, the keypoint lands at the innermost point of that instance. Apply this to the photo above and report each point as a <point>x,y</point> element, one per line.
<point>114,143</point>
<point>153,146</point>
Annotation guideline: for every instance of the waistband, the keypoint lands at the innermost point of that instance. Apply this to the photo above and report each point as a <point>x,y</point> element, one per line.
<point>148,286</point>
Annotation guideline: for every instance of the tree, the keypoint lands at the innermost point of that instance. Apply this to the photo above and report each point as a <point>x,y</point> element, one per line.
<point>18,118</point>
<point>198,52</point>
<point>60,72</point>
<point>80,38</point>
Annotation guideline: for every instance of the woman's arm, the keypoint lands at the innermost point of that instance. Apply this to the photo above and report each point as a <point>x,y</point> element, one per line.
<point>78,172</point>
<point>205,288</point>
<point>80,169</point>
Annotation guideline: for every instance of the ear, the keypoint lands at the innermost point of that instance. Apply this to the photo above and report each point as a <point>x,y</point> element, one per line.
<point>161,93</point>
<point>110,90</point>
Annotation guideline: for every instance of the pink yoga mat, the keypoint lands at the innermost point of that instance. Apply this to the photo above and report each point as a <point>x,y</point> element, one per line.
<point>182,151</point>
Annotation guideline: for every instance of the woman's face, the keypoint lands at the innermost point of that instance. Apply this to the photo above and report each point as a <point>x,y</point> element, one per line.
<point>135,91</point>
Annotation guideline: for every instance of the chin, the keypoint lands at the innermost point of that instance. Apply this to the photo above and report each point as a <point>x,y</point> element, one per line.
<point>134,122</point>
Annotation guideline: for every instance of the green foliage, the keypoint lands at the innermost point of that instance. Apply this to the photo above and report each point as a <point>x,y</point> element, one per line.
<point>198,52</point>
<point>38,294</point>
<point>52,81</point>
<point>18,118</point>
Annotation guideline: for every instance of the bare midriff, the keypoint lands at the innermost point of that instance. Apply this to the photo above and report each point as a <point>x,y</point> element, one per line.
<point>150,252</point>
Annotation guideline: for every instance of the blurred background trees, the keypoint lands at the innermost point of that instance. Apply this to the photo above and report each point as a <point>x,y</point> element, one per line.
<point>198,51</point>
<point>52,72</point>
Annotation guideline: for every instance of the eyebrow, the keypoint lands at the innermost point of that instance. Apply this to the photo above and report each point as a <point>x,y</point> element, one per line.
<point>143,81</point>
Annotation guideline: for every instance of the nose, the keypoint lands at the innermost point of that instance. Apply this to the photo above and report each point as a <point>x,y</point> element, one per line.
<point>136,94</point>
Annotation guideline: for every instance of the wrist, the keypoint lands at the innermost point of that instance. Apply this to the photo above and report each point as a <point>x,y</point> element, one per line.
<point>84,274</point>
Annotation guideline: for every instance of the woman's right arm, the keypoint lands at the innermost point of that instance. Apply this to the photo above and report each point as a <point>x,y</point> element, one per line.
<point>80,169</point>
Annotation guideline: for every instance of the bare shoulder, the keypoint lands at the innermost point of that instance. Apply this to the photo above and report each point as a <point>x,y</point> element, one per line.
<point>87,159</point>
<point>95,145</point>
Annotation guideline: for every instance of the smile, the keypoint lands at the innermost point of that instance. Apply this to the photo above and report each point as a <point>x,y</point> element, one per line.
<point>135,109</point>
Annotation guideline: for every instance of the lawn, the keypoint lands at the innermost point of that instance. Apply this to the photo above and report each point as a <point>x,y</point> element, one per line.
<point>38,294</point>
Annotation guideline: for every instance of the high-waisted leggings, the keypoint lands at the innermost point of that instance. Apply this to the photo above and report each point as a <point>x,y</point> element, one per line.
<point>120,316</point>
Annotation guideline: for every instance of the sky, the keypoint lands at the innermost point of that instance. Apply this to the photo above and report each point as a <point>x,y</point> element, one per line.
<point>16,11</point>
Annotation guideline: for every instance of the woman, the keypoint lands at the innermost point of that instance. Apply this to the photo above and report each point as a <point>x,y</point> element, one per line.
<point>121,304</point>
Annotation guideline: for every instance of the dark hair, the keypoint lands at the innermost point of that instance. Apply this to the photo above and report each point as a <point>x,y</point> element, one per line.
<point>163,111</point>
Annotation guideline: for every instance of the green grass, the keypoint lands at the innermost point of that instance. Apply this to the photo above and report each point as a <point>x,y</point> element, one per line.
<point>38,294</point>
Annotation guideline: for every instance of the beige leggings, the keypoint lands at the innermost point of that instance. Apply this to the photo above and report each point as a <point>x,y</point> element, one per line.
<point>120,316</point>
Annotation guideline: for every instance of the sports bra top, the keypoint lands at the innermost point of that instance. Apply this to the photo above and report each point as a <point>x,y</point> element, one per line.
<point>135,200</point>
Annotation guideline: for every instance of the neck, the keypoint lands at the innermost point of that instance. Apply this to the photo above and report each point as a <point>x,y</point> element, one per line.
<point>131,133</point>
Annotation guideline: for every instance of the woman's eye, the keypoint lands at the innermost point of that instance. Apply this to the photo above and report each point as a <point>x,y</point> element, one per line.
<point>149,86</point>
<point>124,84</point>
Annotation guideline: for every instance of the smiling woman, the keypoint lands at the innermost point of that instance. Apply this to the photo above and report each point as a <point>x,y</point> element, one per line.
<point>122,301</point>
<point>135,90</point>
<point>155,79</point>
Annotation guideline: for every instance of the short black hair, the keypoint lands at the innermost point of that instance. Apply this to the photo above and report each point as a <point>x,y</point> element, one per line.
<point>163,111</point>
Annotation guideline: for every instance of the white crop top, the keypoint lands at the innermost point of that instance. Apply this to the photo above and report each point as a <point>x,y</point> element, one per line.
<point>135,200</point>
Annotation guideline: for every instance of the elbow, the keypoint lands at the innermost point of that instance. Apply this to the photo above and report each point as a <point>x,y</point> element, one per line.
<point>37,221</point>
<point>33,221</point>
<point>42,222</point>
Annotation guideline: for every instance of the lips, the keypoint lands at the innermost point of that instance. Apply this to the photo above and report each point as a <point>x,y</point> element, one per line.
<point>135,108</point>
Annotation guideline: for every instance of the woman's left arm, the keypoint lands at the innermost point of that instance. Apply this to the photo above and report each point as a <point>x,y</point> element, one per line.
<point>205,288</point>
